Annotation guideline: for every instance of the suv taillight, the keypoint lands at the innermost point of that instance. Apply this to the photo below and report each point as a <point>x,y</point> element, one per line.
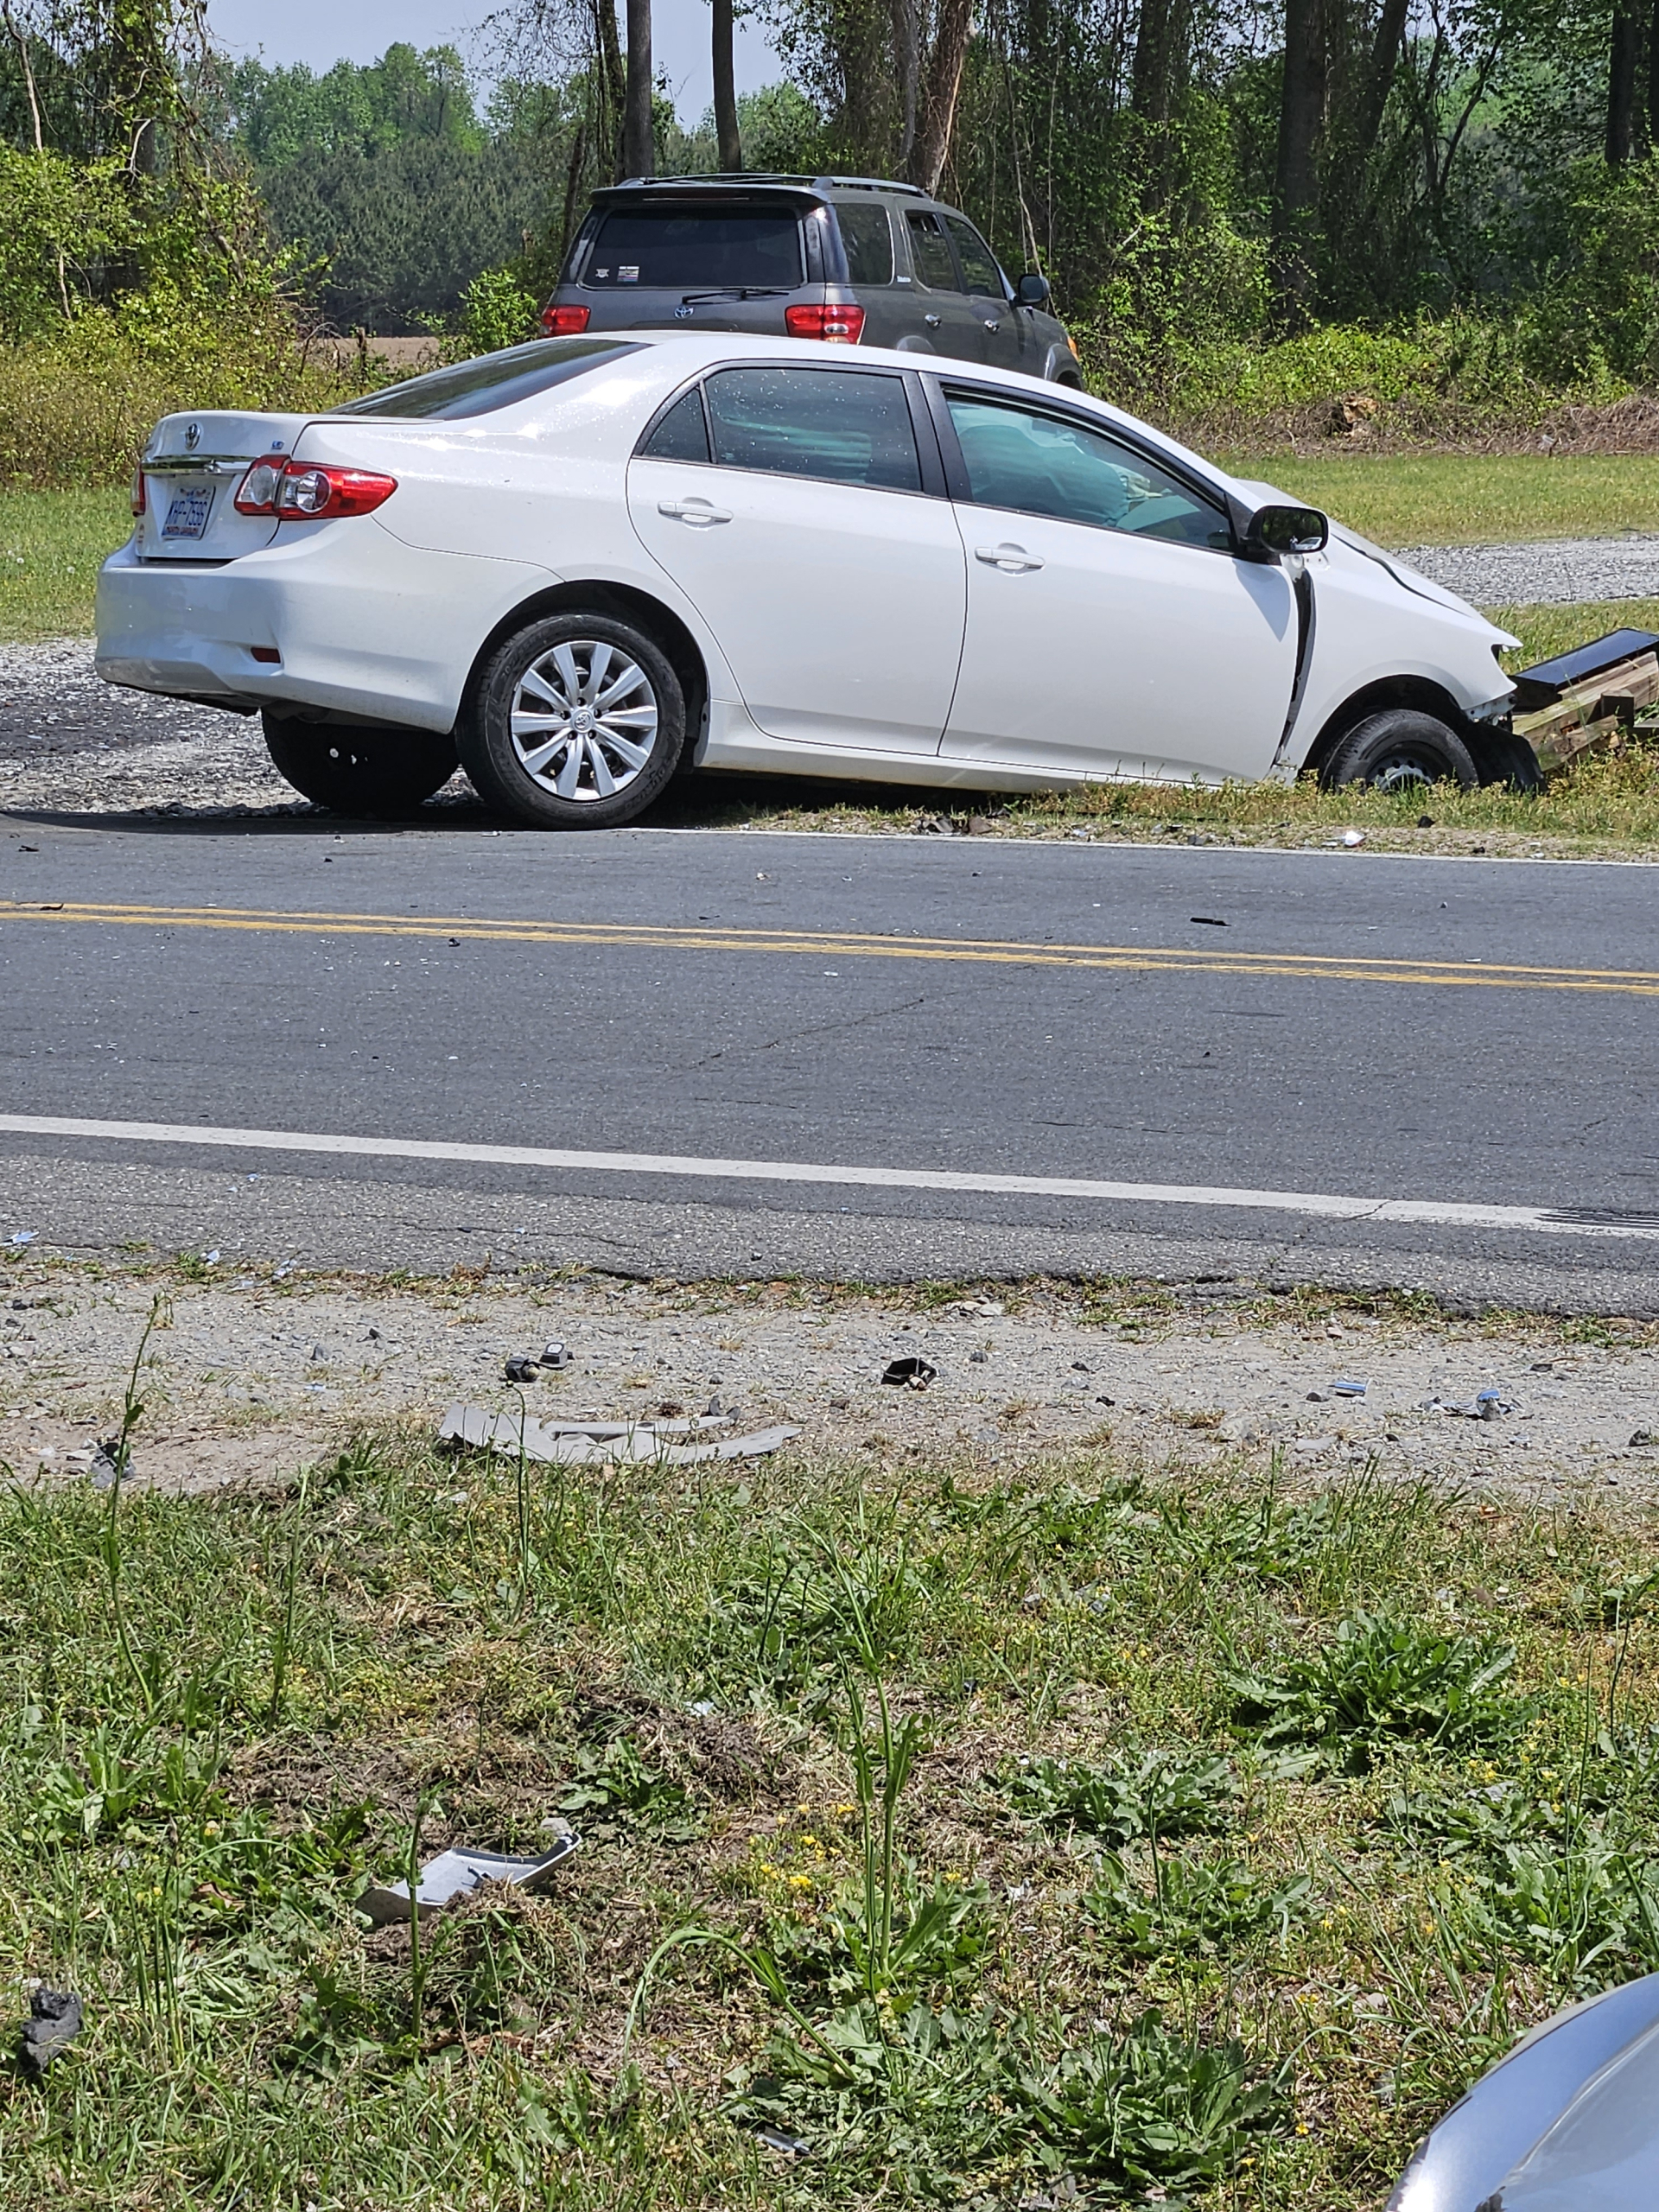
<point>295,490</point>
<point>564,322</point>
<point>140,500</point>
<point>835,321</point>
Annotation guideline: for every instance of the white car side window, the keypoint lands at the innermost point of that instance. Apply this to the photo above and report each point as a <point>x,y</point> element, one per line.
<point>850,426</point>
<point>1042,464</point>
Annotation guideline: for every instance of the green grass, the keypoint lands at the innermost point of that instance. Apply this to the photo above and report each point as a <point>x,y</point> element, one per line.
<point>1471,499</point>
<point>52,544</point>
<point>1008,1825</point>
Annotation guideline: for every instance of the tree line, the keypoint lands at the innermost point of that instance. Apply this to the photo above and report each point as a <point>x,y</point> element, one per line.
<point>1188,173</point>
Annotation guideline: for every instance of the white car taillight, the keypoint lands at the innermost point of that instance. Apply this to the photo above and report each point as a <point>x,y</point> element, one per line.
<point>294,492</point>
<point>140,500</point>
<point>257,493</point>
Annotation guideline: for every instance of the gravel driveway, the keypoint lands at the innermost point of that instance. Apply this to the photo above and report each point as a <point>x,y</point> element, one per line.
<point>1555,572</point>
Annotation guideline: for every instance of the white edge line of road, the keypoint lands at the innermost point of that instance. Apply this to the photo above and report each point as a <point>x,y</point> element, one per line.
<point>1445,1214</point>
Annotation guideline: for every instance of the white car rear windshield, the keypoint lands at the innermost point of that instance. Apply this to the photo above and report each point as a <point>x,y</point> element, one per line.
<point>494,380</point>
<point>676,247</point>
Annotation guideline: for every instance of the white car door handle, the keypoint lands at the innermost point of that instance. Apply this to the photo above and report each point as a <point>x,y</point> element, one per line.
<point>1011,559</point>
<point>692,510</point>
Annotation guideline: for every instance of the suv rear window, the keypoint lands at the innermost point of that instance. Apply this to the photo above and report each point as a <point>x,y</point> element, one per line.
<point>673,247</point>
<point>494,380</point>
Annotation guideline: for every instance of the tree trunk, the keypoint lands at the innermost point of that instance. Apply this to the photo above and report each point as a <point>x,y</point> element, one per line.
<point>726,132</point>
<point>638,138</point>
<point>612,86</point>
<point>938,118</point>
<point>907,53</point>
<point>1379,76</point>
<point>1296,180</point>
<point>1621,85</point>
<point>1155,60</point>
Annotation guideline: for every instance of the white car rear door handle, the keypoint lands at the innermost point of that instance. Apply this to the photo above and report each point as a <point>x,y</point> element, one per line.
<point>1011,559</point>
<point>692,510</point>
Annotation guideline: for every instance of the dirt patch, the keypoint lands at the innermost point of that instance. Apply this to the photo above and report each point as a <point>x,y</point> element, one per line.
<point>247,1381</point>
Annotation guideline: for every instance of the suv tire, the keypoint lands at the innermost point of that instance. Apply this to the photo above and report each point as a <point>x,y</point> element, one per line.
<point>381,775</point>
<point>578,723</point>
<point>1400,748</point>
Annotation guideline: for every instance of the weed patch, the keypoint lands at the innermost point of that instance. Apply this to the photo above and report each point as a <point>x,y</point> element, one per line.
<point>912,1830</point>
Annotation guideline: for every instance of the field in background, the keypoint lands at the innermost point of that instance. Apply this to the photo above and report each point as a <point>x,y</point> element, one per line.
<point>1470,500</point>
<point>51,546</point>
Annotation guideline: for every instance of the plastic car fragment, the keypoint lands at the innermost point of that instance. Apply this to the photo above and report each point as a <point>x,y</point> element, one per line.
<point>454,1874</point>
<point>576,1444</point>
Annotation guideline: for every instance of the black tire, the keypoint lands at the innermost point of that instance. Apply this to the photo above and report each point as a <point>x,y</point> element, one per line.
<point>578,742</point>
<point>1400,748</point>
<point>381,775</point>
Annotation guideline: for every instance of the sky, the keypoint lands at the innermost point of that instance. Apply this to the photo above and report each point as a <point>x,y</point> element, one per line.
<point>322,32</point>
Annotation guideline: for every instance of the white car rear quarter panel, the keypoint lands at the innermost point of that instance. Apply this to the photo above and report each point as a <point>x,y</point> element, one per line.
<point>543,483</point>
<point>365,623</point>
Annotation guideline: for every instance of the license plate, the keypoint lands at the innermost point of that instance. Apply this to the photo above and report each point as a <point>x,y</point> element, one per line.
<point>186,516</point>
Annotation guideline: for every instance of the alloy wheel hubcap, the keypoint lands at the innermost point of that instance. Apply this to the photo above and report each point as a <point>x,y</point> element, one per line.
<point>584,719</point>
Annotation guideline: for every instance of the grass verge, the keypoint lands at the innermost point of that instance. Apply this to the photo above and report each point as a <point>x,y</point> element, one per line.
<point>1471,499</point>
<point>52,544</point>
<point>981,1828</point>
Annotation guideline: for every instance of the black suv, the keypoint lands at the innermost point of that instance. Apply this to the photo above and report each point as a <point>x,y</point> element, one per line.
<point>838,258</point>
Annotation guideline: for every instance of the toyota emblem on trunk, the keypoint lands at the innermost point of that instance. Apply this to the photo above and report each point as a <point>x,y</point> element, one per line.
<point>192,436</point>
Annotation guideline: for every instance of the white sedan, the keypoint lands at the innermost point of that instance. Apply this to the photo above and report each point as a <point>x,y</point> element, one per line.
<point>581,565</point>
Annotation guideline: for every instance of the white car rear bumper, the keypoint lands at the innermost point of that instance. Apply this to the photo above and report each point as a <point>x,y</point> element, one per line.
<point>391,636</point>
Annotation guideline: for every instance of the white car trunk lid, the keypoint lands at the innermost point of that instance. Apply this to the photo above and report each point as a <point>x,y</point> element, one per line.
<point>193,466</point>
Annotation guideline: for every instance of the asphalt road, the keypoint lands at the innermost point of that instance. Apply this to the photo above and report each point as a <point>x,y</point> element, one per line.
<point>1460,1035</point>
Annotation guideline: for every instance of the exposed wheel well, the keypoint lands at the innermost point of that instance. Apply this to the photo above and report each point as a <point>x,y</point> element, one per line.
<point>1490,745</point>
<point>624,604</point>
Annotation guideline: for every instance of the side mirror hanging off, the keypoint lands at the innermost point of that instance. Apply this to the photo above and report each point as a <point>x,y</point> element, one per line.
<point>1032,291</point>
<point>1273,532</point>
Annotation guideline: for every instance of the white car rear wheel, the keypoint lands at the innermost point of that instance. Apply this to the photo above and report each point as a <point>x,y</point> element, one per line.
<point>379,775</point>
<point>579,724</point>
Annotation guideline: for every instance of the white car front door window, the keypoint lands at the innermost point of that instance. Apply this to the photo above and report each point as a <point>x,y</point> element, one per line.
<point>787,505</point>
<point>1110,628</point>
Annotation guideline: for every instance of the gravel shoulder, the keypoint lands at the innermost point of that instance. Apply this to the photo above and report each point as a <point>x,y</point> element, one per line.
<point>248,1380</point>
<point>1559,572</point>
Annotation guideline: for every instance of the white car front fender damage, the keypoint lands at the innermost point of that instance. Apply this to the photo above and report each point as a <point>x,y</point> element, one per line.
<point>1370,628</point>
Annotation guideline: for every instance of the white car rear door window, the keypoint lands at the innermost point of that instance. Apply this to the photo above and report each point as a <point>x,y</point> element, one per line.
<point>833,584</point>
<point>1111,629</point>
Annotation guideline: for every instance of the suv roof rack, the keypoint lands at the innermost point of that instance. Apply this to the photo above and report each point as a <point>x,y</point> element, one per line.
<point>772,176</point>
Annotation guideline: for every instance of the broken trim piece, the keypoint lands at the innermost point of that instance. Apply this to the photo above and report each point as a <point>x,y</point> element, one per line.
<point>563,1444</point>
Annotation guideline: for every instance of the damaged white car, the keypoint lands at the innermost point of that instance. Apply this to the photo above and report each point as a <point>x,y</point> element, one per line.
<point>583,564</point>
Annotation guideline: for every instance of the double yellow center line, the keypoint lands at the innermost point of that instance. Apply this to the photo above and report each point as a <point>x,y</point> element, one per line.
<point>849,945</point>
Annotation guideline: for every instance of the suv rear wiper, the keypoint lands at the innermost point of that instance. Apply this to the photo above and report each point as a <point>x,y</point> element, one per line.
<point>735,292</point>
